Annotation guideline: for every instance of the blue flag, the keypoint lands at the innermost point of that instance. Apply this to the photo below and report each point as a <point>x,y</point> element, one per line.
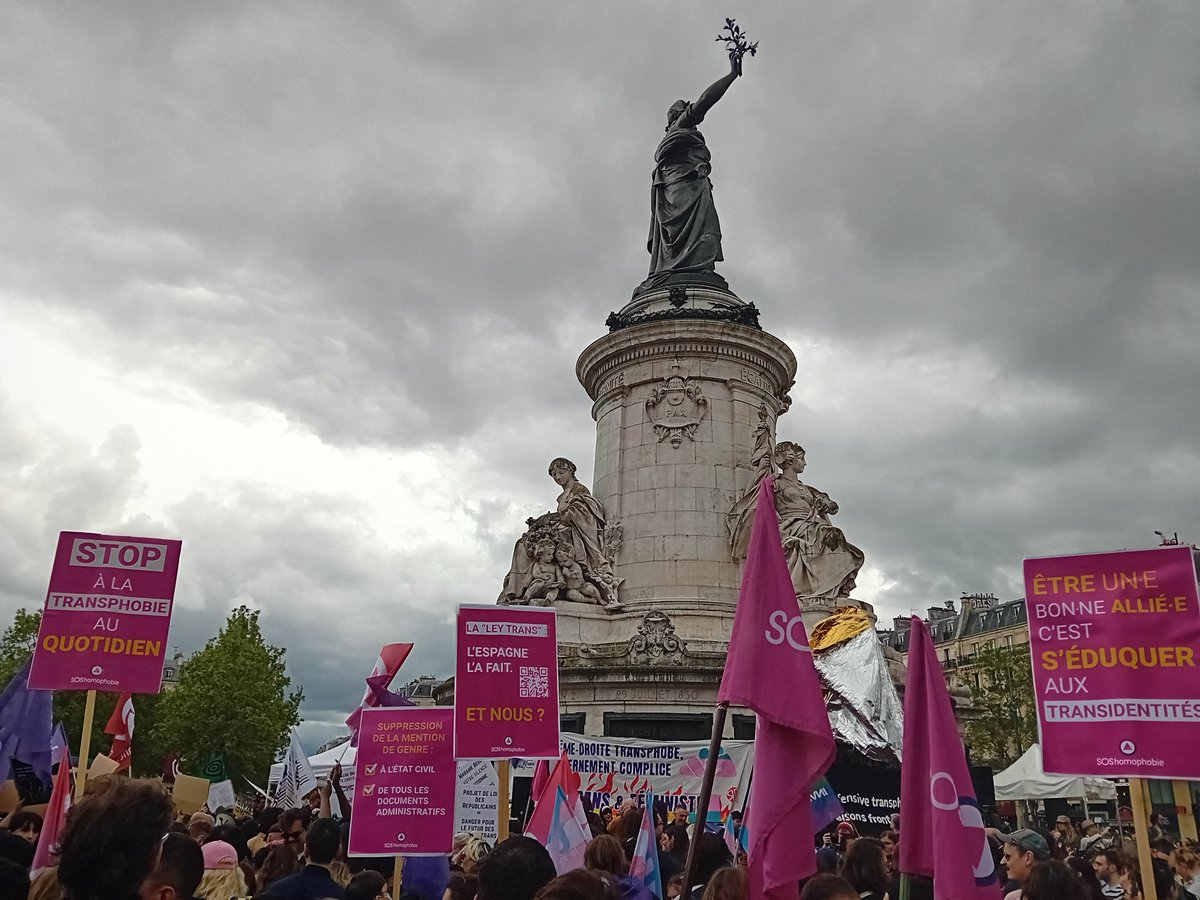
<point>26,720</point>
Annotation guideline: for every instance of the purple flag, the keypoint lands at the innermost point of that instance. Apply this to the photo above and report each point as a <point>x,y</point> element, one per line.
<point>26,721</point>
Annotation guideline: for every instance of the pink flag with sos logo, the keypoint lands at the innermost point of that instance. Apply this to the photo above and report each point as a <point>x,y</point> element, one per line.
<point>403,783</point>
<point>107,614</point>
<point>1115,639</point>
<point>506,683</point>
<point>943,825</point>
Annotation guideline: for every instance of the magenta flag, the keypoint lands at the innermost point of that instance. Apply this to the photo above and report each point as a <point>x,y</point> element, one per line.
<point>942,830</point>
<point>770,669</point>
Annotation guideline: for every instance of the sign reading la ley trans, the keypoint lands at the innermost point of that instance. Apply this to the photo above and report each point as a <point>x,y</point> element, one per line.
<point>107,614</point>
<point>403,783</point>
<point>1115,639</point>
<point>506,683</point>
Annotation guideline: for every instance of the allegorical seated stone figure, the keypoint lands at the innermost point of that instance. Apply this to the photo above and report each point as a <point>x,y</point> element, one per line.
<point>572,534</point>
<point>823,564</point>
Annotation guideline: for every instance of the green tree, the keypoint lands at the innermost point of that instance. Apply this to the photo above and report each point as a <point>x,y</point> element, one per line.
<point>232,698</point>
<point>1006,722</point>
<point>17,643</point>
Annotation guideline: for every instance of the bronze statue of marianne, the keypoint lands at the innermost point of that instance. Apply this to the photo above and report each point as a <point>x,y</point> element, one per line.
<point>685,233</point>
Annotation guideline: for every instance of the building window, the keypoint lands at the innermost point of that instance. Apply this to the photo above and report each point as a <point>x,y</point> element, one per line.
<point>1008,640</point>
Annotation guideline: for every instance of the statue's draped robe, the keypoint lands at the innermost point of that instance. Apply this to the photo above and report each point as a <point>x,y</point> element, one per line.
<point>685,234</point>
<point>823,564</point>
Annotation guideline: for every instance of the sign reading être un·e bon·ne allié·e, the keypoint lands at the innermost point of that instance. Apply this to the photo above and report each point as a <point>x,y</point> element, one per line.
<point>1115,639</point>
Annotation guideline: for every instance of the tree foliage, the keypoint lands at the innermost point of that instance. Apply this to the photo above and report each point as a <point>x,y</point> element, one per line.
<point>17,643</point>
<point>1007,717</point>
<point>232,698</point>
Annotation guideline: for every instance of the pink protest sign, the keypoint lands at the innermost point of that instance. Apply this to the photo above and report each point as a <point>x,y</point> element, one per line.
<point>506,683</point>
<point>403,783</point>
<point>107,614</point>
<point>1115,639</point>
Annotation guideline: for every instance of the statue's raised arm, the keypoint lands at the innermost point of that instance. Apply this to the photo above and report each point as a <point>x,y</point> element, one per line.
<point>714,92</point>
<point>685,233</point>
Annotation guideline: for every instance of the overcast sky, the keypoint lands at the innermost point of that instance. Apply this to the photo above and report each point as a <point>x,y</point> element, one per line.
<point>304,285</point>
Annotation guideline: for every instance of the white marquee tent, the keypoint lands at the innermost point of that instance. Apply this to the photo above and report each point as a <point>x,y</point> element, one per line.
<point>1027,780</point>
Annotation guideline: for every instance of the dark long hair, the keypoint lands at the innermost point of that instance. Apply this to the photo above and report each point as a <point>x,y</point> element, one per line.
<point>865,865</point>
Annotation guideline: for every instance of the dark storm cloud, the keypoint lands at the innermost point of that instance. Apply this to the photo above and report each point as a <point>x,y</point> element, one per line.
<point>396,227</point>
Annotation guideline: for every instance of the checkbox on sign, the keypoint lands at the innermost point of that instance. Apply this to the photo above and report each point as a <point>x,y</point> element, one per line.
<point>368,790</point>
<point>371,768</point>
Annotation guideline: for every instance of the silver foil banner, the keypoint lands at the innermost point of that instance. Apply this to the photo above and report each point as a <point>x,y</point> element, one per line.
<point>864,709</point>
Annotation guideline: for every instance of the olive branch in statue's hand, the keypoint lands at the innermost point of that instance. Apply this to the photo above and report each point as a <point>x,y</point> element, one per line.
<point>736,44</point>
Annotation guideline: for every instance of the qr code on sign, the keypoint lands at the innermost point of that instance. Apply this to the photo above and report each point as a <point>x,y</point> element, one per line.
<point>535,681</point>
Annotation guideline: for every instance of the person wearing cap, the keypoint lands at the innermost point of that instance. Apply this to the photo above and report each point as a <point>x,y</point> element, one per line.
<point>1067,838</point>
<point>1022,849</point>
<point>1089,833</point>
<point>222,878</point>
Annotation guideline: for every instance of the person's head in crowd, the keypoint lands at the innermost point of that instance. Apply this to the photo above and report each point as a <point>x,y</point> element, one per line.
<point>14,881</point>
<point>200,826</point>
<point>726,884</point>
<point>473,854</point>
<point>674,887</point>
<point>604,854</point>
<point>366,885</point>
<point>273,863</point>
<point>579,884</point>
<point>865,866</point>
<point>26,824</point>
<point>266,817</point>
<point>461,886</point>
<point>681,813</point>
<point>232,836</point>
<point>516,870</point>
<point>322,841</point>
<point>828,886</point>
<point>1054,880</point>
<point>16,848</point>
<point>605,814</point>
<point>628,828</point>
<point>1129,876</point>
<point>179,871</point>
<point>293,827</point>
<point>222,877</point>
<point>113,838</point>
<point>1185,862</point>
<point>1022,849</point>
<point>675,841</point>
<point>661,817</point>
<point>890,841</point>
<point>1161,848</point>
<point>1081,865</point>
<point>711,854</point>
<point>844,834</point>
<point>461,839</point>
<point>1107,866</point>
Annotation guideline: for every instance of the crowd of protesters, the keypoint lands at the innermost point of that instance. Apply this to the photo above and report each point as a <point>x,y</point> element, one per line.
<point>125,841</point>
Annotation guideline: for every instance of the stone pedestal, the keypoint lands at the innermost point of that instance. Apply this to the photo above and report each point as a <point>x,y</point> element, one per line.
<point>676,401</point>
